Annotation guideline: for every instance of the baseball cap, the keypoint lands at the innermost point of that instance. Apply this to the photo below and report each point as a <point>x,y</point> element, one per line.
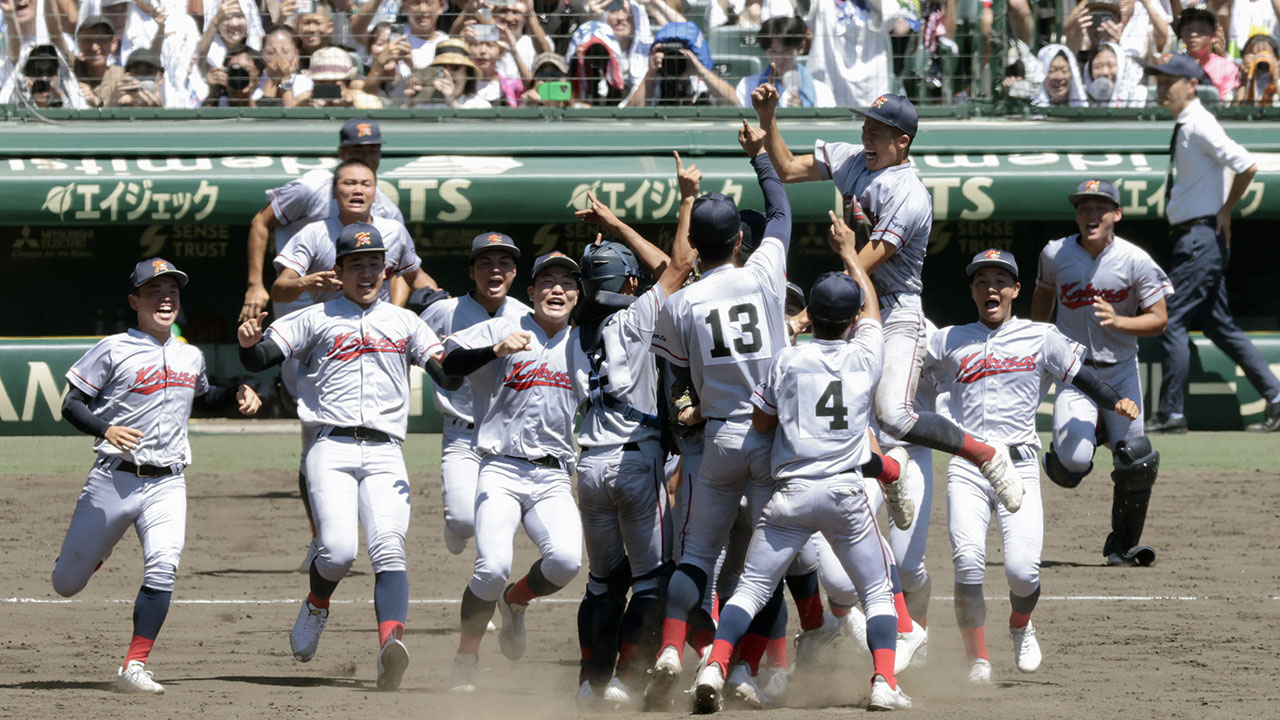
<point>752,224</point>
<point>1178,65</point>
<point>358,238</point>
<point>1095,188</point>
<point>555,258</point>
<point>95,21</point>
<point>714,220</point>
<point>330,64</point>
<point>154,268</point>
<point>795,292</point>
<point>550,59</point>
<point>1002,259</point>
<point>493,241</point>
<point>835,297</point>
<point>143,58</point>
<point>1111,6</point>
<point>895,111</point>
<point>359,131</point>
<point>1199,11</point>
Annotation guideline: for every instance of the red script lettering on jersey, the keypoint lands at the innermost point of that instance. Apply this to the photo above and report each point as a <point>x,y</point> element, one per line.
<point>524,376</point>
<point>1073,298</point>
<point>975,367</point>
<point>348,346</point>
<point>151,379</point>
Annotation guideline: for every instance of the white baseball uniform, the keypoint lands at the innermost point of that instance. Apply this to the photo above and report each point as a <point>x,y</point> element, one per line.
<point>135,382</point>
<point>524,406</point>
<point>994,380</point>
<point>1125,276</point>
<point>459,462</point>
<point>313,249</point>
<point>354,373</point>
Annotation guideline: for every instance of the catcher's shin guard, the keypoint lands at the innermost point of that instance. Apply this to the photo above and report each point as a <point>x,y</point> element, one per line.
<point>1136,466</point>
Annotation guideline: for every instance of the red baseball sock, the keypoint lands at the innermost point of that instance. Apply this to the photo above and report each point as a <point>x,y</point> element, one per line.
<point>139,649</point>
<point>975,451</point>
<point>673,633</point>
<point>520,594</point>
<point>839,610</point>
<point>322,603</point>
<point>389,628</point>
<point>751,649</point>
<point>810,611</point>
<point>701,640</point>
<point>777,651</point>
<point>890,470</point>
<point>975,642</point>
<point>904,616</point>
<point>1018,620</point>
<point>883,661</point>
<point>721,654</point>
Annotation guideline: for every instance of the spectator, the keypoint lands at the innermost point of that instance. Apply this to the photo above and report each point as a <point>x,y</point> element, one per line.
<point>386,52</point>
<point>483,41</point>
<point>282,78</point>
<point>1196,27</point>
<point>595,66</point>
<point>134,23</point>
<point>226,28</point>
<point>746,14</point>
<point>1141,27</point>
<point>450,81</point>
<point>421,16</point>
<point>1250,18</point>
<point>249,30</point>
<point>332,70</point>
<point>20,26</point>
<point>1258,72</point>
<point>547,68</point>
<point>45,81</point>
<point>142,83</point>
<point>95,44</point>
<point>560,20</point>
<point>235,83</point>
<point>680,71</point>
<point>512,20</point>
<point>314,30</point>
<point>1062,85</point>
<point>1113,79</point>
<point>850,48</point>
<point>630,25</point>
<point>781,39</point>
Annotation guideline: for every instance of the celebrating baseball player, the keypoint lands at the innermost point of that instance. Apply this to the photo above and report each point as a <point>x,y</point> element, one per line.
<point>522,376</point>
<point>354,353</point>
<point>994,372</point>
<point>1108,293</point>
<point>134,392</point>
<point>492,269</point>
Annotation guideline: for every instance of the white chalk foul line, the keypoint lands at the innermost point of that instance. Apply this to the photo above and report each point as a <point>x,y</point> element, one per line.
<point>575,601</point>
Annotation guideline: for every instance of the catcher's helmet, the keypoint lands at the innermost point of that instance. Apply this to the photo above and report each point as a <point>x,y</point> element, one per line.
<point>606,267</point>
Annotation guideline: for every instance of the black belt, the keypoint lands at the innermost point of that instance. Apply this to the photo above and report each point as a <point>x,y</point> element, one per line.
<point>459,423</point>
<point>1099,364</point>
<point>1022,452</point>
<point>363,434</point>
<point>144,471</point>
<point>547,461</point>
<point>1183,228</point>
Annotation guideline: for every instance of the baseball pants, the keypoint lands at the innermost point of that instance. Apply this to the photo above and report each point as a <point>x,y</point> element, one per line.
<point>734,458</point>
<point>510,492</point>
<point>970,504</point>
<point>905,347</point>
<point>353,483</point>
<point>1075,417</point>
<point>110,502</point>
<point>459,468</point>
<point>622,495</point>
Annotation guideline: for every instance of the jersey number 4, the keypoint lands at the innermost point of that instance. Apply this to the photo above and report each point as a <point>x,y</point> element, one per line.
<point>831,405</point>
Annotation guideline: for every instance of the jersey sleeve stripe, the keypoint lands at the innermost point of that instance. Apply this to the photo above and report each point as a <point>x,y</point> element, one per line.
<point>275,208</point>
<point>1164,289</point>
<point>294,265</point>
<point>760,397</point>
<point>86,382</point>
<point>667,351</point>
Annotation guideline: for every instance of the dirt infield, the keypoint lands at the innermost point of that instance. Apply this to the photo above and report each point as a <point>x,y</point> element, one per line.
<point>1192,637</point>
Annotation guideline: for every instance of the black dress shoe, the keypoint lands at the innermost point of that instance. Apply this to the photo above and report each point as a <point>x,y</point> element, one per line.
<point>1162,424</point>
<point>1270,422</point>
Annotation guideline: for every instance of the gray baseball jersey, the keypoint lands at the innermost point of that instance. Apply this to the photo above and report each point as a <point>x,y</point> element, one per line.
<point>629,375</point>
<point>726,329</point>
<point>896,202</point>
<point>139,383</point>
<point>447,317</point>
<point>313,250</point>
<point>354,362</point>
<point>821,395</point>
<point>524,403</point>
<point>1123,275</point>
<point>994,379</point>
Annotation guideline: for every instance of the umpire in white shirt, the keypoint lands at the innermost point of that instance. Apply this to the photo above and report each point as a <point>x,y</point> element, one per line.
<point>1198,203</point>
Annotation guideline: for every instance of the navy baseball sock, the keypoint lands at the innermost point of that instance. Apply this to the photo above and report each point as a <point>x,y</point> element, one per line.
<point>882,639</point>
<point>935,431</point>
<point>586,639</point>
<point>971,616</point>
<point>777,646</point>
<point>734,622</point>
<point>149,611</point>
<point>684,593</point>
<point>918,602</point>
<point>391,603</point>
<point>753,644</point>
<point>321,589</point>
<point>532,585</point>
<point>476,614</point>
<point>1021,607</point>
<point>808,599</point>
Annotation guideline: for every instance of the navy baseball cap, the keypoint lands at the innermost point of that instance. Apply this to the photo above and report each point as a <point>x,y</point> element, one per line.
<point>154,268</point>
<point>1095,188</point>
<point>752,224</point>
<point>359,238</point>
<point>714,220</point>
<point>555,258</point>
<point>795,292</point>
<point>1178,65</point>
<point>359,131</point>
<point>487,241</point>
<point>895,111</point>
<point>835,297</point>
<point>1002,259</point>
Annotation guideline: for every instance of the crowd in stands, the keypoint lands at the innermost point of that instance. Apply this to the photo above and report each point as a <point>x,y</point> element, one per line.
<point>85,54</point>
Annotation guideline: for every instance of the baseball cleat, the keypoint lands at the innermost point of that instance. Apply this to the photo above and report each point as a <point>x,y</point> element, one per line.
<point>854,626</point>
<point>587,698</point>
<point>1026,651</point>
<point>908,643</point>
<point>618,696</point>
<point>902,508</point>
<point>743,687</point>
<point>1004,477</point>
<point>980,672</point>
<point>921,656</point>
<point>454,543</point>
<point>136,679</point>
<point>393,660</point>
<point>465,668</point>
<point>775,684</point>
<point>511,640</point>
<point>810,644</point>
<point>708,691</point>
<point>305,637</point>
<point>884,697</point>
<point>313,551</point>
<point>491,628</point>
<point>1115,559</point>
<point>662,679</point>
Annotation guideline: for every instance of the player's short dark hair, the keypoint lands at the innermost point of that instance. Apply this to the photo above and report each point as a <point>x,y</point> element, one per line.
<point>790,30</point>
<point>827,329</point>
<point>353,162</point>
<point>714,253</point>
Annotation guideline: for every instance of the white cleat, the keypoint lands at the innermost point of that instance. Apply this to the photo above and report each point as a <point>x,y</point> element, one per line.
<point>136,679</point>
<point>313,551</point>
<point>1026,651</point>
<point>587,698</point>
<point>663,679</point>
<point>617,696</point>
<point>902,508</point>
<point>908,644</point>
<point>511,639</point>
<point>854,627</point>
<point>465,668</point>
<point>744,689</point>
<point>980,672</point>
<point>454,543</point>
<point>491,628</point>
<point>393,660</point>
<point>921,658</point>
<point>775,685</point>
<point>810,644</point>
<point>708,691</point>
<point>1004,477</point>
<point>884,697</point>
<point>305,636</point>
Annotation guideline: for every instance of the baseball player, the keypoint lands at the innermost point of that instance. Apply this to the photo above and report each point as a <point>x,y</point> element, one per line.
<point>719,335</point>
<point>354,353</point>
<point>818,396</point>
<point>492,269</point>
<point>1108,293</point>
<point>134,392</point>
<point>994,372</point>
<point>522,376</point>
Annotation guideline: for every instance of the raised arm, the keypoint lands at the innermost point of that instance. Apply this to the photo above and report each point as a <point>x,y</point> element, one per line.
<point>777,208</point>
<point>843,242</point>
<point>789,167</point>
